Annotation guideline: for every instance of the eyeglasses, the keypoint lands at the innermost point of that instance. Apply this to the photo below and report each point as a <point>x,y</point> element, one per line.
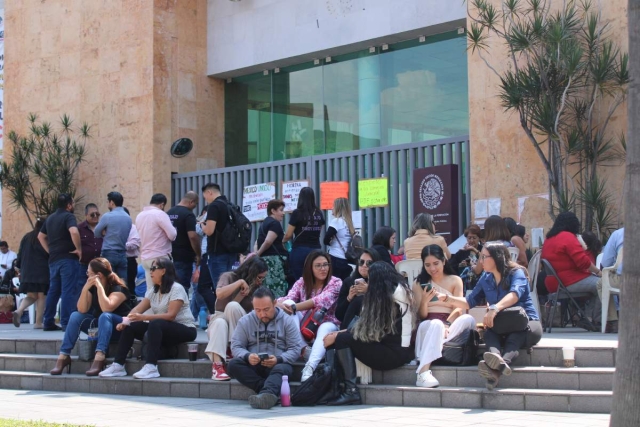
<point>94,215</point>
<point>363,262</point>
<point>321,266</point>
<point>154,267</point>
<point>483,257</point>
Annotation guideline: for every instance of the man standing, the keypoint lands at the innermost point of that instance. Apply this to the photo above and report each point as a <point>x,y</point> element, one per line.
<point>609,257</point>
<point>91,245</point>
<point>264,345</point>
<point>186,247</point>
<point>59,236</point>
<point>6,258</point>
<point>220,260</point>
<point>156,233</point>
<point>115,226</point>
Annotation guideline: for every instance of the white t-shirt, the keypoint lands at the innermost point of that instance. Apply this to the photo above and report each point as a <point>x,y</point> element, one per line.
<point>6,259</point>
<point>160,304</point>
<point>343,235</point>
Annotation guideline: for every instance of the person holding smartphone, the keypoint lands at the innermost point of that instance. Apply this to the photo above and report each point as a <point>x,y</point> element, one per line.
<point>354,288</point>
<point>442,321</point>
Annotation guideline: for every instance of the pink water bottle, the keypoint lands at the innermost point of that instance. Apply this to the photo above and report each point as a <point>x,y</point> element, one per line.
<point>285,392</point>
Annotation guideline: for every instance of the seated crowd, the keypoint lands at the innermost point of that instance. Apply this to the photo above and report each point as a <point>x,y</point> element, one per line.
<point>274,308</point>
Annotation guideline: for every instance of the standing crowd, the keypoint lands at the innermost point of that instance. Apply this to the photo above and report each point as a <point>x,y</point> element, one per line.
<point>275,305</point>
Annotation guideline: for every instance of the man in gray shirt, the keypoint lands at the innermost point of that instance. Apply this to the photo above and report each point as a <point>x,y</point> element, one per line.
<point>114,228</point>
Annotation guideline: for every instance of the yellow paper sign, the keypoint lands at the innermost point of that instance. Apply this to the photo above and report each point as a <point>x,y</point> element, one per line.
<point>373,193</point>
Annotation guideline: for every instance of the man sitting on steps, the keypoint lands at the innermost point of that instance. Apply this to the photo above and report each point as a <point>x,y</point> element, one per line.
<point>264,345</point>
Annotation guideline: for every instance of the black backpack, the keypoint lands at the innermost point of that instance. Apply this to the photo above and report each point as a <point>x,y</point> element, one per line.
<point>461,351</point>
<point>313,389</point>
<point>236,234</point>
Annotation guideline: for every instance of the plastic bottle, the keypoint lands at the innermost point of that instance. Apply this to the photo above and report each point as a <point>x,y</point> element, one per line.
<point>202,317</point>
<point>285,392</point>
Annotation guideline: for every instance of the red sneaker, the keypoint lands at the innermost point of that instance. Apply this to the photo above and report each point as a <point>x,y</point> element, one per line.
<point>219,373</point>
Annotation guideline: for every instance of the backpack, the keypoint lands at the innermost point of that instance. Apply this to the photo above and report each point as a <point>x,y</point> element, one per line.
<point>236,234</point>
<point>461,351</point>
<point>312,390</point>
<point>354,249</point>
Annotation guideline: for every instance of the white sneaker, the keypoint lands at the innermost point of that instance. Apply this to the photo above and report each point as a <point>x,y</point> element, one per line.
<point>147,371</point>
<point>306,373</point>
<point>426,379</point>
<point>114,370</point>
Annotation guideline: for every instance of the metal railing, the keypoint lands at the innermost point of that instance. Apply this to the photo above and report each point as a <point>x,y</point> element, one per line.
<point>396,162</point>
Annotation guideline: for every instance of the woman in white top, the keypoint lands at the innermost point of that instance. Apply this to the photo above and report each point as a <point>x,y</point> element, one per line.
<point>171,322</point>
<point>443,322</point>
<point>338,237</point>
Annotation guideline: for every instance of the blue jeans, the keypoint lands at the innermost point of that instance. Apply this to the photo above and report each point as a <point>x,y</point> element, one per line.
<point>219,264</point>
<point>63,286</point>
<point>184,271</point>
<point>206,289</point>
<point>296,260</point>
<point>196,302</point>
<point>106,324</point>
<point>118,261</point>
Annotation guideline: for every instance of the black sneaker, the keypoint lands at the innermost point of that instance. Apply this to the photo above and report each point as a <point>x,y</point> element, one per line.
<point>263,401</point>
<point>53,327</point>
<point>491,375</point>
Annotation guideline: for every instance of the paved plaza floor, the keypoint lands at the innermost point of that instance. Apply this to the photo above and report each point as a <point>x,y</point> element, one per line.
<point>130,411</point>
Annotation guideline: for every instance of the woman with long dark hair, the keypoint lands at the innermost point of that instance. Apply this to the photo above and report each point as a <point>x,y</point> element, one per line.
<point>33,262</point>
<point>338,237</point>
<point>353,289</point>
<point>381,337</point>
<point>496,230</point>
<point>512,321</point>
<point>104,297</point>
<point>316,290</point>
<point>234,299</point>
<point>423,233</point>
<point>305,225</point>
<point>442,321</point>
<point>383,242</point>
<point>517,241</point>
<point>563,251</point>
<point>170,322</point>
<point>271,249</point>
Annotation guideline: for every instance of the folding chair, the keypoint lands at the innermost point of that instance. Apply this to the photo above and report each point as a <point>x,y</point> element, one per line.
<point>562,294</point>
<point>534,268</point>
<point>410,268</point>
<point>514,253</point>
<point>607,289</point>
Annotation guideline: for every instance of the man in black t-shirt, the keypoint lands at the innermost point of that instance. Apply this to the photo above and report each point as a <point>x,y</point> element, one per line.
<point>220,260</point>
<point>185,249</point>
<point>60,237</point>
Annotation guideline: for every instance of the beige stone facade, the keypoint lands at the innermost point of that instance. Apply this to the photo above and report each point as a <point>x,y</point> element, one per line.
<point>133,69</point>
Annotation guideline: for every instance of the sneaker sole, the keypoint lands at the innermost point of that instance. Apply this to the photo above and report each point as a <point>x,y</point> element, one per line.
<point>487,373</point>
<point>495,362</point>
<point>119,374</point>
<point>147,377</point>
<point>262,401</point>
<point>426,385</point>
<point>221,379</point>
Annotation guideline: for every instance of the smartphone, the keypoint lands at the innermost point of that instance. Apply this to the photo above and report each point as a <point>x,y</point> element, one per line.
<point>429,286</point>
<point>263,356</point>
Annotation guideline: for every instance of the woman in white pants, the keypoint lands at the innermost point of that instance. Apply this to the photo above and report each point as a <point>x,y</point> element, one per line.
<point>316,289</point>
<point>442,321</point>
<point>234,299</point>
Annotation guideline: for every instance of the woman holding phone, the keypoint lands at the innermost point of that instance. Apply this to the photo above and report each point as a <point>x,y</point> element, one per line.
<point>353,289</point>
<point>442,321</point>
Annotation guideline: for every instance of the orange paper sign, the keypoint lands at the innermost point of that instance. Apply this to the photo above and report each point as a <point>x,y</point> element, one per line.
<point>329,191</point>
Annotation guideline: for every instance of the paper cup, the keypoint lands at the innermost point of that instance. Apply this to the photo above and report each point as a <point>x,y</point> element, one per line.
<point>569,357</point>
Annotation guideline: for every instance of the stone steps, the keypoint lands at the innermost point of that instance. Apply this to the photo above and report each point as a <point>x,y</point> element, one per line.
<point>592,378</point>
<point>450,397</point>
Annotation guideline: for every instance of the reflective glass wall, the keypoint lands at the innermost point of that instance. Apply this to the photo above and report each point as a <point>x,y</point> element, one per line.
<point>411,92</point>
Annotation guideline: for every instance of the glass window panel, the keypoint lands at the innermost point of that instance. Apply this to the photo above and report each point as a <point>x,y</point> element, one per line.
<point>424,94</point>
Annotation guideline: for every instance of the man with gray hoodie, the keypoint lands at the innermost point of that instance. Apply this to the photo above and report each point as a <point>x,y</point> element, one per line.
<point>264,345</point>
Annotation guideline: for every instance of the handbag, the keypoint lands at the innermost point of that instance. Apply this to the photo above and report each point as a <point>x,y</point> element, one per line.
<point>311,321</point>
<point>461,350</point>
<point>354,249</point>
<point>87,346</point>
<point>510,320</point>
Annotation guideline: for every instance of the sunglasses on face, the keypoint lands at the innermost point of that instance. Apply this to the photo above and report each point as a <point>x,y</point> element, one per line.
<point>363,262</point>
<point>154,268</point>
<point>94,215</point>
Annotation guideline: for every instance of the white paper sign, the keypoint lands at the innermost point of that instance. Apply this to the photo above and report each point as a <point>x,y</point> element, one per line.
<point>356,217</point>
<point>494,207</point>
<point>290,193</point>
<point>255,199</point>
<point>537,237</point>
<point>481,208</point>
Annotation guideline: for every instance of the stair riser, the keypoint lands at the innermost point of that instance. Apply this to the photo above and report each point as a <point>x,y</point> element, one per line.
<point>372,395</point>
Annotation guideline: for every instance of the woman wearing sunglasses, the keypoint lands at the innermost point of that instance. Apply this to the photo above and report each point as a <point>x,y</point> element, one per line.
<point>170,322</point>
<point>317,289</point>
<point>353,289</point>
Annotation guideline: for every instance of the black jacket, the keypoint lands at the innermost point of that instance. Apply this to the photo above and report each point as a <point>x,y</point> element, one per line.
<point>33,261</point>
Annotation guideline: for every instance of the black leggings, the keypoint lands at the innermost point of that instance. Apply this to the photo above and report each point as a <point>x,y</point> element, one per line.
<point>376,355</point>
<point>160,333</point>
<point>511,343</point>
<point>206,287</point>
<point>132,274</point>
<point>353,310</point>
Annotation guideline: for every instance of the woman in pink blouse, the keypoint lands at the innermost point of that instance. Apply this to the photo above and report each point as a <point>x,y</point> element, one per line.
<point>316,289</point>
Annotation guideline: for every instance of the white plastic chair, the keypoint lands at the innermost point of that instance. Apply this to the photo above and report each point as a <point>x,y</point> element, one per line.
<point>514,252</point>
<point>607,289</point>
<point>599,260</point>
<point>534,269</point>
<point>410,268</point>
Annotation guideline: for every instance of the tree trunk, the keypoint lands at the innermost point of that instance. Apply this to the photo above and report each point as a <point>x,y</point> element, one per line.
<point>626,390</point>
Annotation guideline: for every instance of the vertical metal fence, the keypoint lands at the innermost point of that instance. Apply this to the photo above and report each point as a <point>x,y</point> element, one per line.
<point>395,162</point>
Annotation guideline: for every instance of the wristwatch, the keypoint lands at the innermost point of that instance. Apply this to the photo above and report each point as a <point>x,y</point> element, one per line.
<point>493,307</point>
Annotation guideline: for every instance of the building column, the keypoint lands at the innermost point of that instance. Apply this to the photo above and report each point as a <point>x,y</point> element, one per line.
<point>369,101</point>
